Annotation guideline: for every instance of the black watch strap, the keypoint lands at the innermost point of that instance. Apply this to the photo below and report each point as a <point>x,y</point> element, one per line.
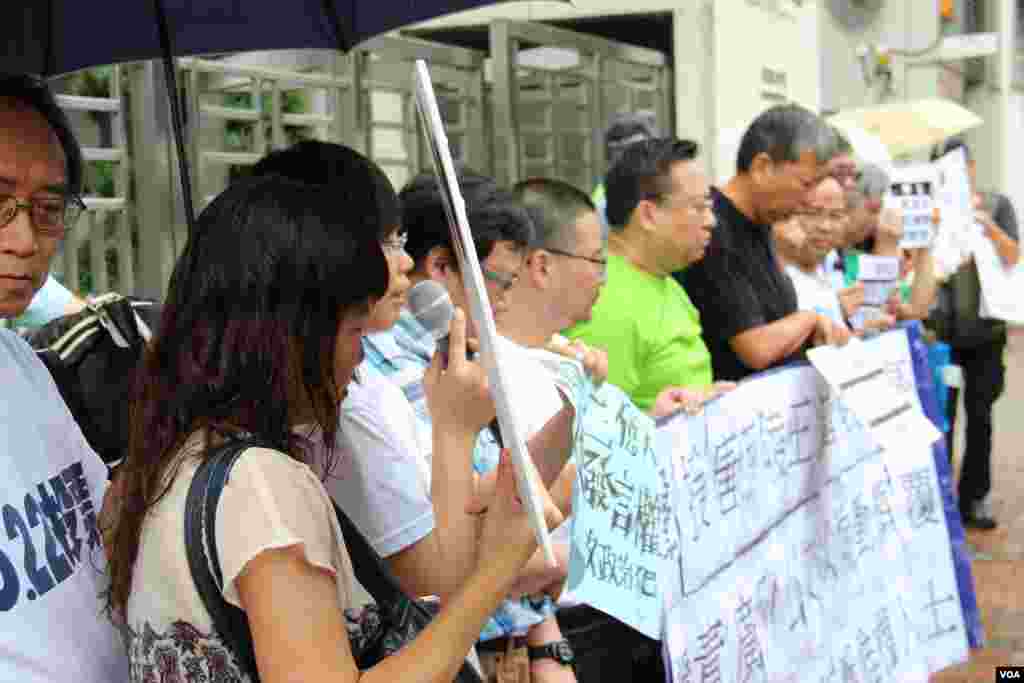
<point>558,650</point>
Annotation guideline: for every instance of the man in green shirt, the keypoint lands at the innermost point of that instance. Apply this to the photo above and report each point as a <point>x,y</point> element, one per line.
<point>660,217</point>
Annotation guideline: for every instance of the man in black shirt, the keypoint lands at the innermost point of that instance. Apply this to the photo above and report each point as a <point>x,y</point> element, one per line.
<point>747,304</point>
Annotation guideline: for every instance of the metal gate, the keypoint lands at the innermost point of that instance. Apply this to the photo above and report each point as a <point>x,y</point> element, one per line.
<point>98,255</point>
<point>554,92</point>
<point>246,106</point>
<point>527,116</point>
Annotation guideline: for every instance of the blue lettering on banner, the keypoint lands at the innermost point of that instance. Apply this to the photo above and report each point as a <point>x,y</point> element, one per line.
<point>47,529</point>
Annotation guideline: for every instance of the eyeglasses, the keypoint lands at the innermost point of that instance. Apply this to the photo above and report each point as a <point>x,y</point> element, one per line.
<point>823,214</point>
<point>50,217</point>
<point>696,205</point>
<point>396,244</point>
<point>504,280</point>
<point>602,262</point>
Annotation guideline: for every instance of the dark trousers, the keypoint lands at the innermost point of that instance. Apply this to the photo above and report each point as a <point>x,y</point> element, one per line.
<point>608,650</point>
<point>984,380</point>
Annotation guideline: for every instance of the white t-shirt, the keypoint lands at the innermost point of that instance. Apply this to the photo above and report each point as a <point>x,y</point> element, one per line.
<point>815,293</point>
<point>535,399</point>
<point>270,501</point>
<point>381,477</point>
<point>51,623</point>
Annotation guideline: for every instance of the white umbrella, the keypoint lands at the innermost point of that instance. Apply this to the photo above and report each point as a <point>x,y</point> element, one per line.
<point>867,148</point>
<point>906,127</point>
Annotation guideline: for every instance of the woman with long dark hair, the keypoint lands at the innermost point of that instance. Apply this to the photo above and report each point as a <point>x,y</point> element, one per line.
<point>260,334</point>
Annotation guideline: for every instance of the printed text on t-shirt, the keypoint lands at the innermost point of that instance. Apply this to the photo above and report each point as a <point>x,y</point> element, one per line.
<point>46,529</point>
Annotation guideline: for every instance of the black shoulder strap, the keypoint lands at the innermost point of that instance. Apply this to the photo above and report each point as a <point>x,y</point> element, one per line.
<point>376,577</point>
<point>370,570</point>
<point>229,621</point>
<point>201,548</point>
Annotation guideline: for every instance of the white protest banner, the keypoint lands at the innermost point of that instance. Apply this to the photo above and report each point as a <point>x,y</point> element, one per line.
<point>793,564</point>
<point>912,190</point>
<point>1001,287</point>
<point>527,478</point>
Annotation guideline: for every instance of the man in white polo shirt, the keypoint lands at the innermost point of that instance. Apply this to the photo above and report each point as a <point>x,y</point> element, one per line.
<point>52,626</point>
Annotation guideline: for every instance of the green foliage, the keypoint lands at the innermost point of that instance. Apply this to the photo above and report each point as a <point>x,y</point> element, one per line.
<point>99,178</point>
<point>93,82</point>
<point>238,134</point>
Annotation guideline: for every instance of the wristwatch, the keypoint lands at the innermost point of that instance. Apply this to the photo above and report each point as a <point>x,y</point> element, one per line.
<point>558,650</point>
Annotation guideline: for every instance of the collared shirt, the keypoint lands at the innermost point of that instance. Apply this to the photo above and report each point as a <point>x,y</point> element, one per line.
<point>737,286</point>
<point>402,354</point>
<point>382,477</point>
<point>651,332</point>
<point>404,351</point>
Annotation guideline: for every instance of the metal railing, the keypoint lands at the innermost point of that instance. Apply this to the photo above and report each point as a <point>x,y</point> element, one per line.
<point>520,119</point>
<point>551,121</point>
<point>103,239</point>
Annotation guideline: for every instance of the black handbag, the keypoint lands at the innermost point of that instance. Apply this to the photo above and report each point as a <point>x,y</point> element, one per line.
<point>92,356</point>
<point>375,632</point>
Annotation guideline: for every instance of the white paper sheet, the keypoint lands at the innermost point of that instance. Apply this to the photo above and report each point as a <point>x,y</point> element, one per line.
<point>883,400</point>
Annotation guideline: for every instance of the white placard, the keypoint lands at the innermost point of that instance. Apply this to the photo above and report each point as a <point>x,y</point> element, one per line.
<point>871,268</point>
<point>1001,287</point>
<point>527,477</point>
<point>879,275</point>
<point>912,189</point>
<point>954,200</point>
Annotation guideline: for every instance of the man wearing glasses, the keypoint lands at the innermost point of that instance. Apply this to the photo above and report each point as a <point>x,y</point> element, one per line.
<point>805,240</point>
<point>51,623</point>
<point>660,219</point>
<point>502,231</point>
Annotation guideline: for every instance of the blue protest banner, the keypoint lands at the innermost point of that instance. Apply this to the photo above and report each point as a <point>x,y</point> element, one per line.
<point>623,527</point>
<point>927,391</point>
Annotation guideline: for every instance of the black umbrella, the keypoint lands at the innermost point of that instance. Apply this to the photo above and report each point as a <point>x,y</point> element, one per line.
<point>52,37</point>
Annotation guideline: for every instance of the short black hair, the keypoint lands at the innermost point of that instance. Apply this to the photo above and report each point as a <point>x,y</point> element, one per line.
<point>354,181</point>
<point>493,212</point>
<point>555,206</point>
<point>950,145</point>
<point>642,172</point>
<point>783,132</point>
<point>35,93</point>
<point>624,129</point>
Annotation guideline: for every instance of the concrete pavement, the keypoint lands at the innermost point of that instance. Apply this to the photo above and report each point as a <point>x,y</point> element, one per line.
<point>999,554</point>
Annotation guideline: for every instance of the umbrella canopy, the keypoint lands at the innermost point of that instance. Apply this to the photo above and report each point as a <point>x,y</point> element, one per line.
<point>51,37</point>
<point>906,127</point>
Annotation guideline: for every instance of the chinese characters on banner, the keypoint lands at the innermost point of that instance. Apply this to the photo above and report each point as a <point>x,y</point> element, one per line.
<point>623,531</point>
<point>912,189</point>
<point>808,552</point>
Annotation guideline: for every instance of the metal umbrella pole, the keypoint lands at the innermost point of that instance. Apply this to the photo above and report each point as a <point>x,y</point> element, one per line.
<point>170,75</point>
